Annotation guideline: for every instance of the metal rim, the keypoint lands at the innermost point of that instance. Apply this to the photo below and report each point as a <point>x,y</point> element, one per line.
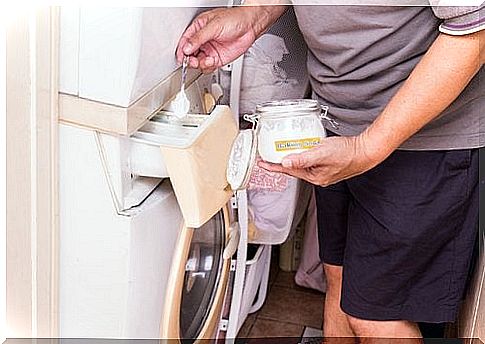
<point>288,107</point>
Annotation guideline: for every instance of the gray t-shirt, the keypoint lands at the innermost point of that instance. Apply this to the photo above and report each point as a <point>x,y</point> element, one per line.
<point>359,56</point>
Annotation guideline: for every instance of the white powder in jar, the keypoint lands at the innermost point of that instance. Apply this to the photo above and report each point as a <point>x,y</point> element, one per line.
<point>279,135</point>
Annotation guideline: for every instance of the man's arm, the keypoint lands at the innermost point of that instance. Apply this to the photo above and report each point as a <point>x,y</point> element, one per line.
<point>219,36</point>
<point>437,80</point>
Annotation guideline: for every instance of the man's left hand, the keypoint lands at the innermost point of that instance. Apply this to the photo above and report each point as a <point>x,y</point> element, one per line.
<point>335,159</point>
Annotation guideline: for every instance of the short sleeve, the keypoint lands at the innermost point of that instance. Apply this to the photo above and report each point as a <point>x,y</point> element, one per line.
<point>459,20</point>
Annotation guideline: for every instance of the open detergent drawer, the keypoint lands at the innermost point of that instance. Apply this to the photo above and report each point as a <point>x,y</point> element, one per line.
<point>195,151</point>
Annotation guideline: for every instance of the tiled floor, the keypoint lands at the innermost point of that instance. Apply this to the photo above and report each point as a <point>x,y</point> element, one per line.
<point>288,309</point>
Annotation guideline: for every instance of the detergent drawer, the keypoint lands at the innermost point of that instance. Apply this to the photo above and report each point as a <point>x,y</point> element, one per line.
<point>144,145</point>
<point>194,153</point>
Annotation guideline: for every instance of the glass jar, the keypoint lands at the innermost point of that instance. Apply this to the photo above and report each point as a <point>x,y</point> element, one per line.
<point>288,126</point>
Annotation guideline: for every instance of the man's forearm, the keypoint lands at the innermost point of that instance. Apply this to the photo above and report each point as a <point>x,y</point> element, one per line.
<point>435,83</point>
<point>268,12</point>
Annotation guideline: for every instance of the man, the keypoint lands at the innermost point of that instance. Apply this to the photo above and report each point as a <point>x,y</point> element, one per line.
<point>397,187</point>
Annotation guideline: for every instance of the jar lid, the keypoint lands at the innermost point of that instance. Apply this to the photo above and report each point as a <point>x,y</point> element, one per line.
<point>241,159</point>
<point>293,106</point>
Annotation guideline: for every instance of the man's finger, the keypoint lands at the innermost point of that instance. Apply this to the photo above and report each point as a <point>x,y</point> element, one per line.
<point>298,173</point>
<point>302,160</point>
<point>205,63</point>
<point>271,167</point>
<point>193,62</point>
<point>189,32</point>
<point>178,52</point>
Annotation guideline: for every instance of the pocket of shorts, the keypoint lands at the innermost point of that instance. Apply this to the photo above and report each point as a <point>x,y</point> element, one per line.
<point>458,165</point>
<point>459,159</point>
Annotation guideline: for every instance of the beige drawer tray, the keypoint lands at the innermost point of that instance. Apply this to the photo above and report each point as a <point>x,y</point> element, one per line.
<point>195,153</point>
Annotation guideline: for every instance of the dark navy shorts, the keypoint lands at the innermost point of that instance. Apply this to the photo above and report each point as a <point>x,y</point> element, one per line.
<point>404,233</point>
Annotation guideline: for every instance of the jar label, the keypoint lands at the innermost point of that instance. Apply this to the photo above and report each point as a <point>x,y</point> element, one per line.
<point>286,145</point>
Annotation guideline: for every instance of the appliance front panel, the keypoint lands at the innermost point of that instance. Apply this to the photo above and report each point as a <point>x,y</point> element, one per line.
<point>116,55</point>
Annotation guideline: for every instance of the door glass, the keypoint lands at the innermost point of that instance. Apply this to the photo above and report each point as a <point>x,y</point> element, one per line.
<point>202,274</point>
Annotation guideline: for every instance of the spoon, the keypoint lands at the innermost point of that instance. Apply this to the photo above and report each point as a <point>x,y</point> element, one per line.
<point>181,103</point>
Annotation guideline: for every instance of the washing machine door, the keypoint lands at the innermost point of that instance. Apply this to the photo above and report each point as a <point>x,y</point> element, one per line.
<point>198,281</point>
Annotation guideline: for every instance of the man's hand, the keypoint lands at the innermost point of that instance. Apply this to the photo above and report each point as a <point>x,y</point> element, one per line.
<point>335,159</point>
<point>217,37</point>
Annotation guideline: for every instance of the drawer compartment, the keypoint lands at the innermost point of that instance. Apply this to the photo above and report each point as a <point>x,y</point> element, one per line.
<point>195,152</point>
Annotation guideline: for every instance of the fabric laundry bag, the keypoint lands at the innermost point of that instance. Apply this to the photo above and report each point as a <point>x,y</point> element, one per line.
<point>272,200</point>
<point>274,68</point>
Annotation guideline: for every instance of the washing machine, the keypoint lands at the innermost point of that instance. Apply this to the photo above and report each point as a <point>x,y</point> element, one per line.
<point>123,235</point>
<point>153,242</point>
<point>125,219</point>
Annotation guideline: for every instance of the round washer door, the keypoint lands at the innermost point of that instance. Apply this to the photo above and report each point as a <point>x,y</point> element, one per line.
<point>197,282</point>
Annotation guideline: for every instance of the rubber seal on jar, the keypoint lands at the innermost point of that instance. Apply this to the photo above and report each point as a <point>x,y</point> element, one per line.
<point>242,159</point>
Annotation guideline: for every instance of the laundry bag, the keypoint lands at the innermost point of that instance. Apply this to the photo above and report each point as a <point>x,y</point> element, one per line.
<point>272,201</point>
<point>274,68</point>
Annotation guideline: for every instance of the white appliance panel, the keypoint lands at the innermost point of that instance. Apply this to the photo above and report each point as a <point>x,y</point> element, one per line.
<point>113,268</point>
<point>109,51</point>
<point>122,53</point>
<point>153,241</point>
<point>92,237</point>
<point>69,52</point>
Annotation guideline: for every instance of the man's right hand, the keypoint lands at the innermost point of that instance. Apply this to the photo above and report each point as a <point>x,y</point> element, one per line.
<point>217,37</point>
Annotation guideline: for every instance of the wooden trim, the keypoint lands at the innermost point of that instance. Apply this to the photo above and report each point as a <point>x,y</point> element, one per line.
<point>170,322</point>
<point>55,227</point>
<point>32,198</point>
<point>46,95</point>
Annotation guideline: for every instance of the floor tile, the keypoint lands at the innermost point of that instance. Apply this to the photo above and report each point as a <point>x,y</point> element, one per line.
<point>287,280</point>
<point>293,306</point>
<point>274,267</point>
<point>273,274</point>
<point>247,326</point>
<point>273,328</point>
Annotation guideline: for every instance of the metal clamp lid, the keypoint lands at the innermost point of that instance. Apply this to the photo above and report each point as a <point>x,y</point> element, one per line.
<point>252,118</point>
<point>324,116</point>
